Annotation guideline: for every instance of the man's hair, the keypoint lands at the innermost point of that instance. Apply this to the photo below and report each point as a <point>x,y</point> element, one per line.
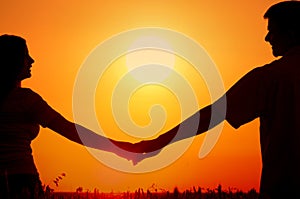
<point>286,15</point>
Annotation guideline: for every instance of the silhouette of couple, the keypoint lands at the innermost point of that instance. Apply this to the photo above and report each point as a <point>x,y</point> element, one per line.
<point>270,93</point>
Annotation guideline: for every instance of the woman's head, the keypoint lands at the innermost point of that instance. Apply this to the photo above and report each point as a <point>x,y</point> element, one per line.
<point>15,61</point>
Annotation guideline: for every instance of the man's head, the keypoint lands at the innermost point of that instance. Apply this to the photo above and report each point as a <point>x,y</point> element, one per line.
<point>283,26</point>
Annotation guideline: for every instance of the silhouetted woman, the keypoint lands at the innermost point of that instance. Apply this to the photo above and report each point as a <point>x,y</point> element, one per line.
<point>22,111</point>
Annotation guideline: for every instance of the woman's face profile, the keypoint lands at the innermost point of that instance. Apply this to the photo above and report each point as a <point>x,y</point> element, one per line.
<point>27,64</point>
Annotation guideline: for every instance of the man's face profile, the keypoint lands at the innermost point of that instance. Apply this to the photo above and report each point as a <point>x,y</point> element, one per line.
<point>278,39</point>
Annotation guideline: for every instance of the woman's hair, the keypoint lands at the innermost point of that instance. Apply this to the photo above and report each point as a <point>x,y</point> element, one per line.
<point>12,54</point>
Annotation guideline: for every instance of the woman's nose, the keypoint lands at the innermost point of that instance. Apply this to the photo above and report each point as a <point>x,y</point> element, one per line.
<point>31,60</point>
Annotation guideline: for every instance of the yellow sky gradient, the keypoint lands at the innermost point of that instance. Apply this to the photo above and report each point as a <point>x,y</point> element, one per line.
<point>60,35</point>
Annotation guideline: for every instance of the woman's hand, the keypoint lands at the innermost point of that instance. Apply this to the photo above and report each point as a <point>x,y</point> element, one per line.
<point>134,152</point>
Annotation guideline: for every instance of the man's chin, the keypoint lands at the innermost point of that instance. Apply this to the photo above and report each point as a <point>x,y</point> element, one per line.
<point>276,53</point>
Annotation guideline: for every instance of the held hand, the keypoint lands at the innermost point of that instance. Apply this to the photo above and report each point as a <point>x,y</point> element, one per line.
<point>148,146</point>
<point>144,149</point>
<point>133,152</point>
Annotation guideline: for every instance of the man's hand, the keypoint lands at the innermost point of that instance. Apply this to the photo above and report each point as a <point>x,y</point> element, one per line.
<point>143,149</point>
<point>134,152</point>
<point>148,146</point>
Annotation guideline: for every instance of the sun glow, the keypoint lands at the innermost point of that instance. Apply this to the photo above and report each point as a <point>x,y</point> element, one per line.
<point>152,52</point>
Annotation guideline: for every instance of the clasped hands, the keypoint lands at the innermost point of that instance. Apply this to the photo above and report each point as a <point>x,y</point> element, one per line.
<point>136,152</point>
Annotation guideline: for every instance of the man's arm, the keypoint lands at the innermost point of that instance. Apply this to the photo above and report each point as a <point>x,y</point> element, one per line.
<point>202,117</point>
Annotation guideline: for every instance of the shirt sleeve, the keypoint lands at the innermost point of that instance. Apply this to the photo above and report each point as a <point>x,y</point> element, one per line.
<point>245,99</point>
<point>40,111</point>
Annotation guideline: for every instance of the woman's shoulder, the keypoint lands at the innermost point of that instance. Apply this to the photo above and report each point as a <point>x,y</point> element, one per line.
<point>20,99</point>
<point>26,93</point>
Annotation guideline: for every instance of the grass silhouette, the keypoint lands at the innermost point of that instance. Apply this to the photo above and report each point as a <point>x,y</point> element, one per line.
<point>157,193</point>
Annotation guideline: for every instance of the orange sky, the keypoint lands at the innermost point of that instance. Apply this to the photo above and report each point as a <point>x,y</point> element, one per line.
<point>60,36</point>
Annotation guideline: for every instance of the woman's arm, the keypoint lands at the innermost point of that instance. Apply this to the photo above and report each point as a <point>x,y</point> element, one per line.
<point>86,137</point>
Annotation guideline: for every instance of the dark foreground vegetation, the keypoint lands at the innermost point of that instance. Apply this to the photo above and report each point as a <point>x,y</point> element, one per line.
<point>193,193</point>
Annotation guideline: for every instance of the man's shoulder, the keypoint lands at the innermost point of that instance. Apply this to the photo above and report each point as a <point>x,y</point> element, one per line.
<point>274,66</point>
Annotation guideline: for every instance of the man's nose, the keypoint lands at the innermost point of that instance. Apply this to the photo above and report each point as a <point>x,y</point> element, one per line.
<point>267,38</point>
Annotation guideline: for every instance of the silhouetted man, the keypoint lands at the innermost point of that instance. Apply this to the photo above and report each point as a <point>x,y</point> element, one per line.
<point>270,93</point>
